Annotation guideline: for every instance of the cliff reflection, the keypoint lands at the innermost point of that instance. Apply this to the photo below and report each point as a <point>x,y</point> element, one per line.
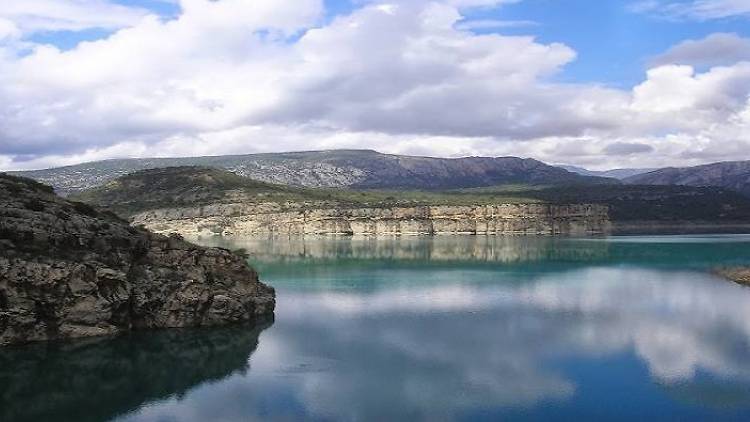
<point>521,250</point>
<point>99,379</point>
<point>504,249</point>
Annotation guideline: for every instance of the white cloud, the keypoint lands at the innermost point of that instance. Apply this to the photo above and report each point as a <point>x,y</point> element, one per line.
<point>694,9</point>
<point>714,50</point>
<point>493,24</point>
<point>495,343</point>
<point>237,76</point>
<point>72,15</point>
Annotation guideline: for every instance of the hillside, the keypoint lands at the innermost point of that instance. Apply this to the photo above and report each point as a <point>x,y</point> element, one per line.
<point>355,169</point>
<point>618,174</point>
<point>666,204</point>
<point>176,187</point>
<point>734,175</point>
<point>189,186</point>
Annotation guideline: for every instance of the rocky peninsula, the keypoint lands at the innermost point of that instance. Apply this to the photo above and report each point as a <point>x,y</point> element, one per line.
<point>70,270</point>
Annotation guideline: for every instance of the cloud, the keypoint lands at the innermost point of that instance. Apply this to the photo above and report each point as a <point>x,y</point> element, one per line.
<point>69,15</point>
<point>719,49</point>
<point>493,24</point>
<point>694,9</point>
<point>501,343</point>
<point>624,148</point>
<point>239,76</point>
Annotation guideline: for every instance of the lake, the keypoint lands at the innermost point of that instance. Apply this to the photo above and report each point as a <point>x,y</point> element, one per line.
<point>430,328</point>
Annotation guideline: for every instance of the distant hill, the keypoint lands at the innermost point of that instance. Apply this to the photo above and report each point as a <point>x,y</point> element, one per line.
<point>614,173</point>
<point>356,169</point>
<point>657,204</point>
<point>734,175</point>
<point>190,186</point>
<point>195,186</point>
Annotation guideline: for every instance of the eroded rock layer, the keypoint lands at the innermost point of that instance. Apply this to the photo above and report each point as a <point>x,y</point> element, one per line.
<point>272,218</point>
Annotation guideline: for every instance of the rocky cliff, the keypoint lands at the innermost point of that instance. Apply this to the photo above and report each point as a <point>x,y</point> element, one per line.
<point>69,270</point>
<point>294,219</point>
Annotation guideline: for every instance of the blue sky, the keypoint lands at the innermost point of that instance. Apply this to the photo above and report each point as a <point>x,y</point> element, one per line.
<point>613,43</point>
<point>598,84</point>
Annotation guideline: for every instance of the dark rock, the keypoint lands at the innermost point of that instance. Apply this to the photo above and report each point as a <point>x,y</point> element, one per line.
<point>68,270</point>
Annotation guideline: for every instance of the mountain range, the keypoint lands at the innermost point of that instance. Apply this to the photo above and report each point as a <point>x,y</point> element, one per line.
<point>365,169</point>
<point>355,169</point>
<point>618,174</point>
<point>734,175</point>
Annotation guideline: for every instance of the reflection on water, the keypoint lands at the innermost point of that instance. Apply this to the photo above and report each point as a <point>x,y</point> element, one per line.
<point>99,379</point>
<point>453,328</point>
<point>653,250</point>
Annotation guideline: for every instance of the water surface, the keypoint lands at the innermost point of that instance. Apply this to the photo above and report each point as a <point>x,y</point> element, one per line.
<point>443,328</point>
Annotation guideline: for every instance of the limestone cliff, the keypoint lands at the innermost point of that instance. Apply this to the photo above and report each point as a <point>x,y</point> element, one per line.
<point>69,270</point>
<point>505,219</point>
<point>197,200</point>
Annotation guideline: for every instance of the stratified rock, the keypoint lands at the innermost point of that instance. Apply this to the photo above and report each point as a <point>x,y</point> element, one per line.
<point>68,270</point>
<point>296,219</point>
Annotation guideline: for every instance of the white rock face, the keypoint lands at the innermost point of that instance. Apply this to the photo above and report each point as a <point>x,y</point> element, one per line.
<point>296,219</point>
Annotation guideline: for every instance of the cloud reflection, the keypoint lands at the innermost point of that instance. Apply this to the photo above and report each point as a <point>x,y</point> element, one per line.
<point>385,350</point>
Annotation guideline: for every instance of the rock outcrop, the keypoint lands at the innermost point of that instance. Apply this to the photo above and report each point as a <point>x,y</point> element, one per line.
<point>740,275</point>
<point>294,219</point>
<point>68,270</point>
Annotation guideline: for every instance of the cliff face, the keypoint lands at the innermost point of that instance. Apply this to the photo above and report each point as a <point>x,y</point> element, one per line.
<point>68,270</point>
<point>509,219</point>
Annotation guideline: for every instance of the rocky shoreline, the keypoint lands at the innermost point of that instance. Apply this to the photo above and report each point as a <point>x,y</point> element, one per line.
<point>68,270</point>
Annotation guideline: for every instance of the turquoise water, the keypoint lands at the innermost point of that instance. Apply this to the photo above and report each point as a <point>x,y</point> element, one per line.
<point>444,328</point>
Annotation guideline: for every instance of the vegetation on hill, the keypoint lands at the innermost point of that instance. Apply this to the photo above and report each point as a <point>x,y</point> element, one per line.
<point>199,186</point>
<point>656,203</point>
<point>354,169</point>
<point>734,175</point>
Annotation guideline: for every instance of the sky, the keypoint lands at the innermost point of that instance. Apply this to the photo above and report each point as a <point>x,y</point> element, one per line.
<point>598,84</point>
